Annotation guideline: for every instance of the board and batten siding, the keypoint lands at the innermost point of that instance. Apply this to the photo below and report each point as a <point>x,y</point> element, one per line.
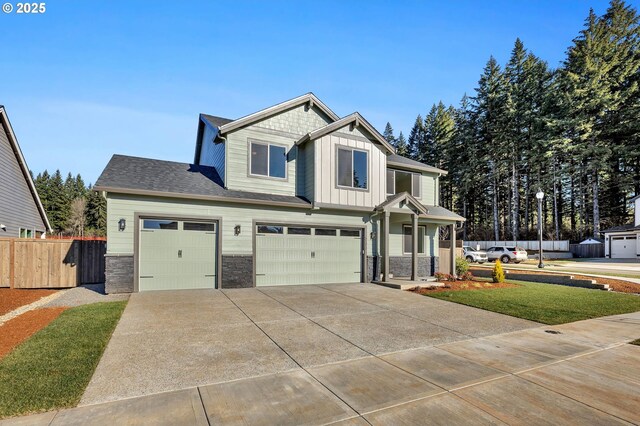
<point>212,154</point>
<point>124,206</point>
<point>18,207</point>
<point>283,129</point>
<point>325,185</point>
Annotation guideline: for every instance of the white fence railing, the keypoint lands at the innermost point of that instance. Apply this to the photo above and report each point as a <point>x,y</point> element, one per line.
<point>562,245</point>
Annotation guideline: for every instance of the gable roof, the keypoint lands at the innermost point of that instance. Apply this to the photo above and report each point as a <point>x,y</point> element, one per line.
<point>146,176</point>
<point>309,98</point>
<point>215,121</point>
<point>13,141</point>
<point>354,118</point>
<point>398,198</point>
<point>407,163</point>
<point>622,228</point>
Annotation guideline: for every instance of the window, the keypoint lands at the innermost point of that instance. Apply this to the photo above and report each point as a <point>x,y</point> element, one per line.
<point>159,224</point>
<point>326,232</point>
<point>401,181</point>
<point>268,160</point>
<point>270,229</point>
<point>352,168</point>
<point>349,233</point>
<point>406,239</point>
<point>298,231</point>
<point>199,226</point>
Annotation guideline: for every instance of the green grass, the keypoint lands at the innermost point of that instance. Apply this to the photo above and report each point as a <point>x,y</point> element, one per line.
<point>545,303</point>
<point>52,369</point>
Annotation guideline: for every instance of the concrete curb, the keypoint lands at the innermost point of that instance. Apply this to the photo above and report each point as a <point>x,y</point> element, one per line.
<point>26,308</point>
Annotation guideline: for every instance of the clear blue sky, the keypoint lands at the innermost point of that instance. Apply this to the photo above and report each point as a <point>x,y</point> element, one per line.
<point>92,78</point>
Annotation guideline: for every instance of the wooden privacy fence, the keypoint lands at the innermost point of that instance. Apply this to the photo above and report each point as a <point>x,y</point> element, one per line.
<point>32,263</point>
<point>444,259</point>
<point>587,250</point>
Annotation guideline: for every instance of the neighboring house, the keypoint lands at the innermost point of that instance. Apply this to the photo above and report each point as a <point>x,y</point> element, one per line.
<point>623,242</point>
<point>21,212</point>
<point>292,194</point>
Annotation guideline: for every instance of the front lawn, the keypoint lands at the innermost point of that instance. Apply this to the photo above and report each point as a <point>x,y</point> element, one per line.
<point>52,369</point>
<point>545,303</point>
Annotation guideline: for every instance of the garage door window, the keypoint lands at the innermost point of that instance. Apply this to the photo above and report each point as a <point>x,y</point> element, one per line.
<point>199,226</point>
<point>349,233</point>
<point>326,232</point>
<point>160,224</point>
<point>270,229</point>
<point>298,231</point>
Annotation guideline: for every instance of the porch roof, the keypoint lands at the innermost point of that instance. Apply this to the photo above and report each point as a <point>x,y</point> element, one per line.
<point>394,204</point>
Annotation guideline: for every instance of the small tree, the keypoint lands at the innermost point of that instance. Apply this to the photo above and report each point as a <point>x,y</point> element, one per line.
<point>498,273</point>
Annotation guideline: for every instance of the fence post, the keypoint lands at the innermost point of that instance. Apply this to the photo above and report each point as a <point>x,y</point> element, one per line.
<point>12,263</point>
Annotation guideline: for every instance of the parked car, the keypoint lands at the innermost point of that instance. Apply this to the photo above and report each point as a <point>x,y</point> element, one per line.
<point>473,255</point>
<point>507,254</point>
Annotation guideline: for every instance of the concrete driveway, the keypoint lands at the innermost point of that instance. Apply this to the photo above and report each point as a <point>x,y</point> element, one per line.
<point>181,339</point>
<point>353,355</point>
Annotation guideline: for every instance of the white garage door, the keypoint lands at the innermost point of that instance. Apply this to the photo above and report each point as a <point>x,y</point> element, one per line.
<point>623,247</point>
<point>289,255</point>
<point>177,254</point>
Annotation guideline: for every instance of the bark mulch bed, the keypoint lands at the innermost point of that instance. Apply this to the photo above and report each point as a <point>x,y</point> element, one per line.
<point>11,298</point>
<point>616,284</point>
<point>463,285</point>
<point>20,328</point>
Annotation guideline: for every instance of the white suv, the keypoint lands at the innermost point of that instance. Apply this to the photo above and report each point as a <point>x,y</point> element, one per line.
<point>507,254</point>
<point>473,255</point>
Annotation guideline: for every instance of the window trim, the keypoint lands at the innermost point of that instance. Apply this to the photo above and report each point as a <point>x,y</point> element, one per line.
<point>413,175</point>
<point>337,173</point>
<point>424,235</point>
<point>268,145</point>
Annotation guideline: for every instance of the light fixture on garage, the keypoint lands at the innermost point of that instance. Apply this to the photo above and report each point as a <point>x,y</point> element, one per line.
<point>373,235</point>
<point>236,230</point>
<point>122,224</point>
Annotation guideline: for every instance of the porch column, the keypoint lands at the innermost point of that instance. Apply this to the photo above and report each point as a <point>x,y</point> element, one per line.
<point>414,245</point>
<point>385,244</point>
<point>452,236</point>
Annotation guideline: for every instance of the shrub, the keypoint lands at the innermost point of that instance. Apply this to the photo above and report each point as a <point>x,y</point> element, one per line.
<point>498,273</point>
<point>462,266</point>
<point>467,276</point>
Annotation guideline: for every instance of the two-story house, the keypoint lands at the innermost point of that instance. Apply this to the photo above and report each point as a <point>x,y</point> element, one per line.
<point>292,194</point>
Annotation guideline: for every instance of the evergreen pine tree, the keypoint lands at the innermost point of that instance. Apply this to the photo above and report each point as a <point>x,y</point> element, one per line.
<point>401,146</point>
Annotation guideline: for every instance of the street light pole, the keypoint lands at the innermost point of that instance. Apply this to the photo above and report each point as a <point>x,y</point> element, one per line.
<point>540,196</point>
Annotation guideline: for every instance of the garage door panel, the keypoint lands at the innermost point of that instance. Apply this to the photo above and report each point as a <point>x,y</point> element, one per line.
<point>624,247</point>
<point>322,256</point>
<point>180,257</point>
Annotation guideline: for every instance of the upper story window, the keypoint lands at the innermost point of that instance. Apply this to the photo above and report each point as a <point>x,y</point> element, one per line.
<point>401,181</point>
<point>353,168</point>
<point>268,160</point>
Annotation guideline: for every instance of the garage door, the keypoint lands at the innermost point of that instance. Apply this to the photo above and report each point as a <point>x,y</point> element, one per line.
<point>287,255</point>
<point>177,254</point>
<point>623,247</point>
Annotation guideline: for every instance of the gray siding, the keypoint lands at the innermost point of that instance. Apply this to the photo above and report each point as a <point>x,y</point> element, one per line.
<point>212,154</point>
<point>283,129</point>
<point>18,207</point>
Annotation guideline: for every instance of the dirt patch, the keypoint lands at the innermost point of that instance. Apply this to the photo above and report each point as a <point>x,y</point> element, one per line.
<point>11,298</point>
<point>20,328</point>
<point>616,284</point>
<point>463,285</point>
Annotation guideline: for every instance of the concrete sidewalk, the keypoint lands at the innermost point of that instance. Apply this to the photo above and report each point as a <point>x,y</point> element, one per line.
<point>577,373</point>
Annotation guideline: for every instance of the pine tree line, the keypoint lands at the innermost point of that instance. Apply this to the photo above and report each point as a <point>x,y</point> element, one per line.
<point>573,132</point>
<point>71,206</point>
